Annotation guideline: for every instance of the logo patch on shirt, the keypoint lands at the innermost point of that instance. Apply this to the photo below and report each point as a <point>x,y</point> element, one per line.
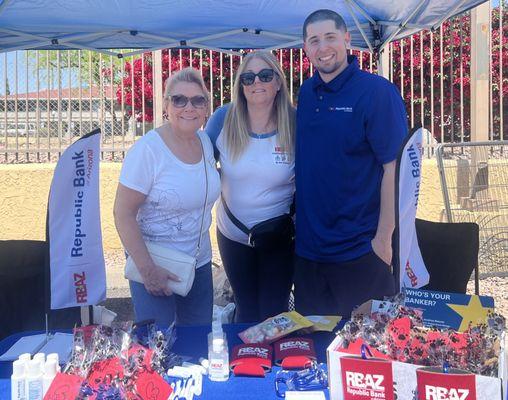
<point>280,156</point>
<point>343,109</point>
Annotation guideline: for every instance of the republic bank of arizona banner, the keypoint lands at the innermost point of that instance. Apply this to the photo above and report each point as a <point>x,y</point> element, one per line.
<point>408,263</point>
<point>76,257</point>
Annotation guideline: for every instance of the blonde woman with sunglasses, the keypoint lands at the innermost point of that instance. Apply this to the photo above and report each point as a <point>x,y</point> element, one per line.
<point>161,198</point>
<point>254,143</point>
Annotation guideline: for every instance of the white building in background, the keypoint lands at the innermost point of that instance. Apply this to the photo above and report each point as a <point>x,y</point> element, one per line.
<point>63,112</point>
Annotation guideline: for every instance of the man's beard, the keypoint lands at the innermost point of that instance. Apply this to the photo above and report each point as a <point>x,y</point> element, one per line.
<point>329,70</point>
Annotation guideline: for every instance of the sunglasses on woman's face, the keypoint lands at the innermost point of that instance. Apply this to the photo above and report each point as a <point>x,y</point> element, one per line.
<point>180,101</point>
<point>265,75</point>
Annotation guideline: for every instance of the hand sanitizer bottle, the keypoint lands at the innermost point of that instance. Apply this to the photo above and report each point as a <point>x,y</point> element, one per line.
<point>25,357</point>
<point>49,374</point>
<point>218,356</point>
<point>34,381</point>
<point>41,358</point>
<point>18,380</point>
<point>54,356</point>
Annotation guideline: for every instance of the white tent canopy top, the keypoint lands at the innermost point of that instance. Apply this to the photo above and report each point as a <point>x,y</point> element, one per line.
<point>145,25</point>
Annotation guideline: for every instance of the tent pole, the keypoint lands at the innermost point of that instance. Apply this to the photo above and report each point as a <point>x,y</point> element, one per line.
<point>225,51</point>
<point>186,43</point>
<point>403,24</point>
<point>419,27</point>
<point>361,11</point>
<point>81,47</point>
<point>294,43</point>
<point>277,35</point>
<point>60,40</point>
<point>357,23</point>
<point>164,39</point>
<point>141,51</point>
<point>64,41</point>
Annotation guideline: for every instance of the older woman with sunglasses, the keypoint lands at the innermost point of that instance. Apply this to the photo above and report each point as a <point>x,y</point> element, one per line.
<point>162,198</point>
<point>254,137</point>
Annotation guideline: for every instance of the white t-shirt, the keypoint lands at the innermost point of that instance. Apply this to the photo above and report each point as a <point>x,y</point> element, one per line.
<point>175,193</point>
<point>258,186</point>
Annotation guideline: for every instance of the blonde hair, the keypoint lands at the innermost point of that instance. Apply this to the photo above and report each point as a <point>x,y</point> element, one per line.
<point>189,75</point>
<point>236,125</point>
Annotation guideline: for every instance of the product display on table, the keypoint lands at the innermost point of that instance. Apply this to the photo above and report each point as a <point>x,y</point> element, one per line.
<point>403,337</point>
<point>413,360</point>
<point>118,362</point>
<point>275,328</point>
<point>125,361</point>
<point>386,351</point>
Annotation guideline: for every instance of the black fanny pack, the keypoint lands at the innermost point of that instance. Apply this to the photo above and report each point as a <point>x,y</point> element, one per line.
<point>277,232</point>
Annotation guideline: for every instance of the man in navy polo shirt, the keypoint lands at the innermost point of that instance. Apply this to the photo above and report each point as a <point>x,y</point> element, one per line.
<point>350,127</point>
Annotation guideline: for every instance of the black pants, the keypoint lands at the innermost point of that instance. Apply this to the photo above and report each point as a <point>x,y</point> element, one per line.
<point>261,280</point>
<point>335,289</point>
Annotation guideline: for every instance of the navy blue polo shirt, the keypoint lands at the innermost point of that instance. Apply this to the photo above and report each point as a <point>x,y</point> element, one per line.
<point>346,130</point>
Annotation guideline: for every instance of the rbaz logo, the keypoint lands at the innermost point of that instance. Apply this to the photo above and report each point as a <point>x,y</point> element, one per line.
<point>256,351</point>
<point>365,381</point>
<point>295,344</point>
<point>411,275</point>
<point>80,287</point>
<point>434,385</point>
<point>442,393</point>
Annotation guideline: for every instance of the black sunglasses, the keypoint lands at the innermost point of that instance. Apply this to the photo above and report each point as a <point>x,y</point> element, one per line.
<point>180,101</point>
<point>265,75</point>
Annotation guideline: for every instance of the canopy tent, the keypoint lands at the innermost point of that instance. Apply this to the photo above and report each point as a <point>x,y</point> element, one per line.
<point>227,24</point>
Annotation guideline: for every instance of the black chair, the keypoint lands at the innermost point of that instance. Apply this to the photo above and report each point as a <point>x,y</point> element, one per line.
<point>23,283</point>
<point>450,253</point>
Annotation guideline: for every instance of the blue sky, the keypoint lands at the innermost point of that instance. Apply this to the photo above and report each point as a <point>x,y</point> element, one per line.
<point>30,85</point>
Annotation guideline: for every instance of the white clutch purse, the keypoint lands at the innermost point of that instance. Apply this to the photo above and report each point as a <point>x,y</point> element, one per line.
<point>176,262</point>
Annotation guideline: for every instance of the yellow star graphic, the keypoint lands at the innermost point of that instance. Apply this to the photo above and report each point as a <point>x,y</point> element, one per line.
<point>473,313</point>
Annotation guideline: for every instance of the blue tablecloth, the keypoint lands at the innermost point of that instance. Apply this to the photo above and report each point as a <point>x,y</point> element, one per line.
<point>192,342</point>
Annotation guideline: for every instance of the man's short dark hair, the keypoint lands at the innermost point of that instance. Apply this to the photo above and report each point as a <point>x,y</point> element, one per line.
<point>324,15</point>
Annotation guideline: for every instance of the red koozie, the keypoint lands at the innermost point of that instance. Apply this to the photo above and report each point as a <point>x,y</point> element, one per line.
<point>251,359</point>
<point>294,353</point>
<point>366,379</point>
<point>435,385</point>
